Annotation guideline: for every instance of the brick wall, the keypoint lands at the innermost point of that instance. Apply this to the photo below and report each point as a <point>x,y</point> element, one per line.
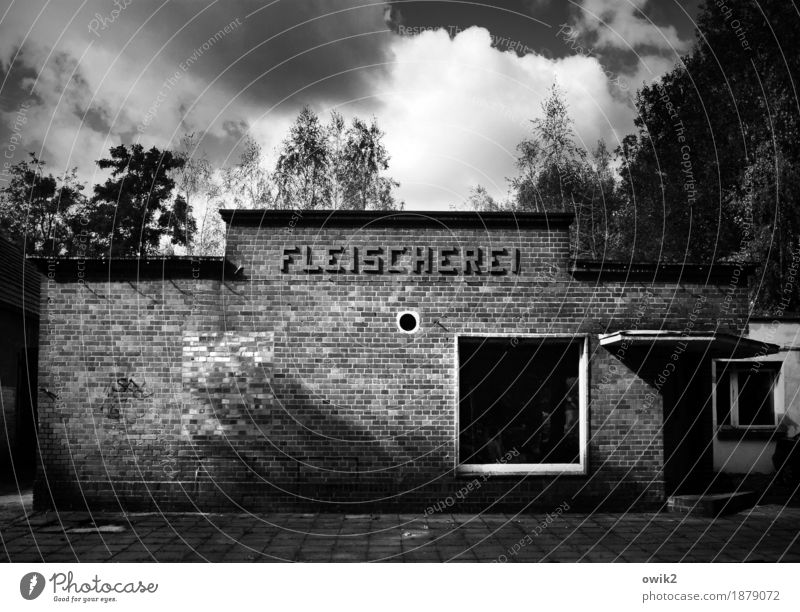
<point>8,428</point>
<point>296,390</point>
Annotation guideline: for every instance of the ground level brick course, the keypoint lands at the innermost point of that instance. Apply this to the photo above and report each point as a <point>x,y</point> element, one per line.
<point>767,533</point>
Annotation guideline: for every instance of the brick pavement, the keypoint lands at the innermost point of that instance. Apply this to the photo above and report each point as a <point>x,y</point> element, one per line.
<point>765,534</point>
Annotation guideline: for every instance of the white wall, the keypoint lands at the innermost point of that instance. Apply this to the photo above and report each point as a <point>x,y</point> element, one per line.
<point>787,336</point>
<point>755,456</point>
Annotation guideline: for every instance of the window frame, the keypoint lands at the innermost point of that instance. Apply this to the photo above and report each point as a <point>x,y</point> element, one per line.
<point>527,469</point>
<point>774,366</point>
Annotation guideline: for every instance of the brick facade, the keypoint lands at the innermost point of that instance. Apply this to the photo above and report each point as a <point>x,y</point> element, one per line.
<point>271,389</point>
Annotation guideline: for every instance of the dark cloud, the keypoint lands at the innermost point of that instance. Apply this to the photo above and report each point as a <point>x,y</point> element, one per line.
<point>282,55</point>
<point>155,70</point>
<point>518,25</point>
<point>279,49</point>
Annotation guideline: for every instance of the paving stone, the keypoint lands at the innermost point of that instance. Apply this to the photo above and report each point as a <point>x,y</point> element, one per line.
<point>766,535</point>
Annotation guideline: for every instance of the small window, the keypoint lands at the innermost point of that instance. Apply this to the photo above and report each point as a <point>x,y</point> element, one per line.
<point>745,394</point>
<point>408,321</point>
<point>522,405</point>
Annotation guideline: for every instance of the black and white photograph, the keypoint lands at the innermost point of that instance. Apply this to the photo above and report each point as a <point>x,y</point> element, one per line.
<point>412,282</point>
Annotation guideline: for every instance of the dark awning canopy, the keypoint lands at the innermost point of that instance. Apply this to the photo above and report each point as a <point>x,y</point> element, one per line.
<point>712,344</point>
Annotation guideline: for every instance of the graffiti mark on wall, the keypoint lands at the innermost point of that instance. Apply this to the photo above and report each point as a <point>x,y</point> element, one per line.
<point>165,455</point>
<point>128,385</point>
<point>132,428</point>
<point>169,464</point>
<point>48,393</point>
<point>120,392</point>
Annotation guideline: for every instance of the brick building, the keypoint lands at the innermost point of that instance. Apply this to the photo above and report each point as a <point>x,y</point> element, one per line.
<point>353,360</point>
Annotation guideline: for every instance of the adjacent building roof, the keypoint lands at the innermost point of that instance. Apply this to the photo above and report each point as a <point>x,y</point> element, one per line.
<point>19,280</point>
<point>388,218</point>
<point>786,317</point>
<point>75,269</point>
<point>600,270</point>
<point>715,344</point>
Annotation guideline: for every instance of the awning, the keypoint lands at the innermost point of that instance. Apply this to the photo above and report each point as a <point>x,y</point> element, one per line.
<point>713,344</point>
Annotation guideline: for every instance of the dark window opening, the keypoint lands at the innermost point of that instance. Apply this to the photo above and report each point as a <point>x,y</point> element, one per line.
<point>755,399</point>
<point>745,393</point>
<point>519,401</point>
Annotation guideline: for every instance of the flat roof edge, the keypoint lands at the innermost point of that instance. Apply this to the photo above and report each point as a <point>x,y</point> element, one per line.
<point>602,270</point>
<point>737,344</point>
<point>75,269</point>
<point>388,218</point>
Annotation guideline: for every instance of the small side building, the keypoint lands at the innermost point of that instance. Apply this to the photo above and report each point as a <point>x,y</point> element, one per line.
<point>19,335</point>
<point>757,401</point>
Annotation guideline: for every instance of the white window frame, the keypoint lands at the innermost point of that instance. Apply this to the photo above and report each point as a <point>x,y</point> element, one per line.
<point>733,391</point>
<point>524,469</point>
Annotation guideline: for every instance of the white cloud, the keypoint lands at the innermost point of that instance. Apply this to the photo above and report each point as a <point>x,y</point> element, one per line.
<point>455,109</point>
<point>619,24</point>
<point>648,69</point>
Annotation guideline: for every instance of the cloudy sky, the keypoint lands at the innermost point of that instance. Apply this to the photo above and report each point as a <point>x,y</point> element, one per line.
<point>453,84</point>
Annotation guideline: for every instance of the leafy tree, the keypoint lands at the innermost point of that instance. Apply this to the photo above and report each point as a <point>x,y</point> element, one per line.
<point>555,174</point>
<point>550,163</point>
<point>193,180</point>
<point>194,176</point>
<point>197,183</point>
<point>332,166</point>
<point>209,239</point>
<point>247,184</point>
<point>39,209</point>
<point>596,204</point>
<point>301,169</point>
<point>135,208</point>
<point>673,169</point>
<point>480,199</point>
<point>365,158</point>
<point>713,165</point>
<point>337,168</point>
<point>769,218</point>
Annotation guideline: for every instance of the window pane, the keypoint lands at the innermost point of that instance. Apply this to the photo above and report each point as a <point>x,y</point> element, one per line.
<point>518,404</point>
<point>723,393</point>
<point>755,398</point>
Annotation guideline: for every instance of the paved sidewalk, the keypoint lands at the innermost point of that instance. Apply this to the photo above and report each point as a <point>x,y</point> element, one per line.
<point>14,505</point>
<point>766,534</point>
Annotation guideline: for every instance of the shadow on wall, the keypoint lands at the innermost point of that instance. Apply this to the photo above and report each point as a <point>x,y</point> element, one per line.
<point>242,425</point>
<point>246,438</point>
<point>295,440</point>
